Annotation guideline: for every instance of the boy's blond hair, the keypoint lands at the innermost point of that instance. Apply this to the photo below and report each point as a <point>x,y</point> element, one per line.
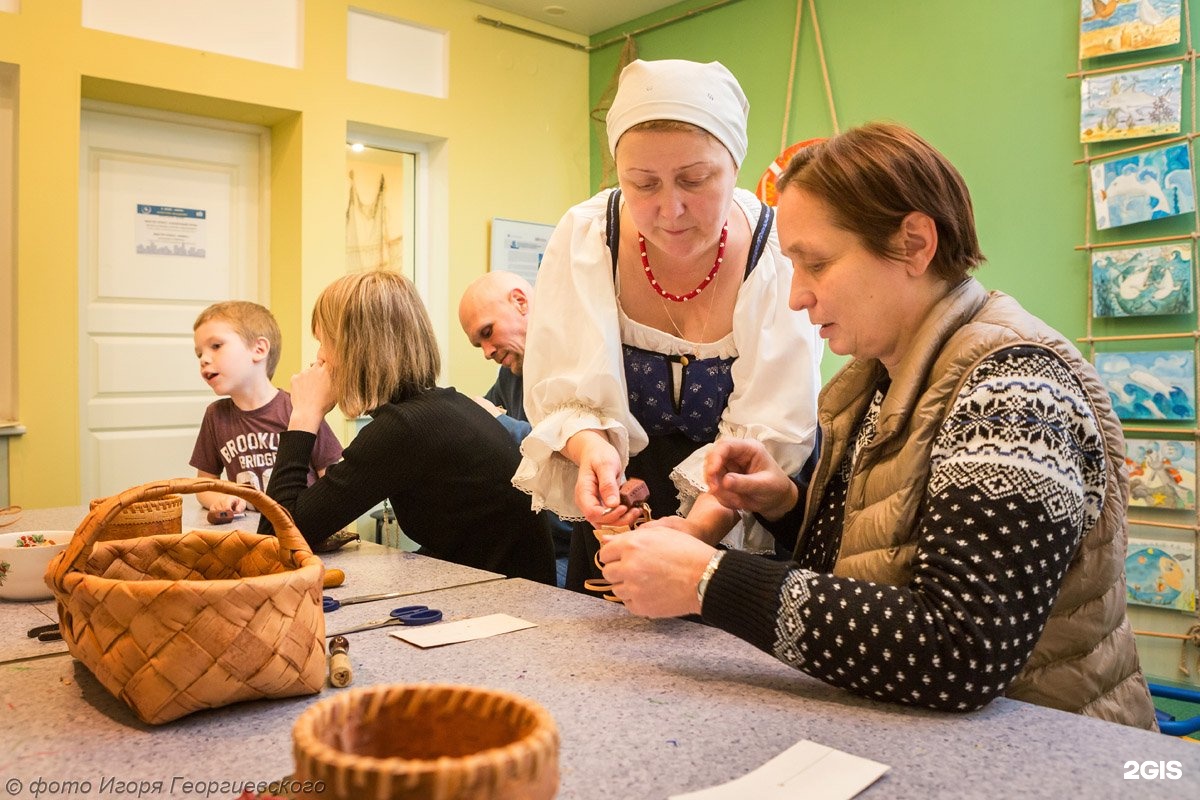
<point>382,341</point>
<point>251,322</point>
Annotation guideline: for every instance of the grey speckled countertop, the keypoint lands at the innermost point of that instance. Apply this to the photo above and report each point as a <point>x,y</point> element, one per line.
<point>645,709</point>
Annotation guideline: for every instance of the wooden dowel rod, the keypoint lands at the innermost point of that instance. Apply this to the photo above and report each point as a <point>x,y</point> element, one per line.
<point>1187,137</point>
<point>1188,56</point>
<point>1163,635</point>
<point>1125,242</point>
<point>1133,337</point>
<point>695,12</point>
<point>1153,429</point>
<point>1175,526</point>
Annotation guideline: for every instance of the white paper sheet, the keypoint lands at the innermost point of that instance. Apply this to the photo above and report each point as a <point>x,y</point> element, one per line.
<point>464,630</point>
<point>806,769</point>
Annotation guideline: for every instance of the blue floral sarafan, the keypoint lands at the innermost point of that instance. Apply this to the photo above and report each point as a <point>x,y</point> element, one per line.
<point>707,385</point>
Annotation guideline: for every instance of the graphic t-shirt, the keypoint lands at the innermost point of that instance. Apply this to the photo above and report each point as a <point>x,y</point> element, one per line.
<point>243,444</point>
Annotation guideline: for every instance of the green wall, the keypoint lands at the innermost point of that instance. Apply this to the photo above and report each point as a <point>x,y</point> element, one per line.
<point>987,84</point>
<point>984,82</point>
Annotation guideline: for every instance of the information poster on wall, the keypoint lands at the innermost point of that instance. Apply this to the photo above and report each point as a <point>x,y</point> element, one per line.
<point>519,246</point>
<point>170,231</point>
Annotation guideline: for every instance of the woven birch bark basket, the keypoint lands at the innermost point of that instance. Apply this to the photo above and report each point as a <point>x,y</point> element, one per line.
<point>147,518</point>
<point>173,624</point>
<point>426,742</point>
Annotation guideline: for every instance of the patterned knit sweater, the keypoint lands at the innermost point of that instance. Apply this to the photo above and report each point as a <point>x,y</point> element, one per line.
<point>1017,474</point>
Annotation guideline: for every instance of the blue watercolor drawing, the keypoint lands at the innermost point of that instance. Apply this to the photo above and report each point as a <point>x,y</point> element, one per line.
<point>1142,281</point>
<point>1161,573</point>
<point>1150,385</point>
<point>1131,104</point>
<point>1162,473</point>
<point>1150,184</point>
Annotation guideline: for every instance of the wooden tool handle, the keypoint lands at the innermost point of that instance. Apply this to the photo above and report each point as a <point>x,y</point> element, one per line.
<point>215,517</point>
<point>340,671</point>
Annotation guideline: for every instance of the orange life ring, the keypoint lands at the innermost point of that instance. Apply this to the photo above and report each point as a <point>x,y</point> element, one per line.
<point>766,184</point>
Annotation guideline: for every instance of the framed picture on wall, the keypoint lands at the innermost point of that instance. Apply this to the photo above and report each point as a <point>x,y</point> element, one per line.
<point>519,246</point>
<point>1149,184</point>
<point>1157,385</point>
<point>1130,105</point>
<point>1142,281</point>
<point>1119,26</point>
<point>1162,473</point>
<point>1161,573</point>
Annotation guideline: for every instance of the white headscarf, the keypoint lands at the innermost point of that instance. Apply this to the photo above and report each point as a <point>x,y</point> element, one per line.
<point>706,95</point>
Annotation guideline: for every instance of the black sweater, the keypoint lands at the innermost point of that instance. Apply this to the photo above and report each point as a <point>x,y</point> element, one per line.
<point>446,466</point>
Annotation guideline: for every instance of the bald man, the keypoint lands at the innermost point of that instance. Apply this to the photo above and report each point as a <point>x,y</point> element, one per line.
<point>494,313</point>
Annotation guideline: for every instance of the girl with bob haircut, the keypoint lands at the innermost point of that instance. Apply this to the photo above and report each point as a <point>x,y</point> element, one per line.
<point>441,460</point>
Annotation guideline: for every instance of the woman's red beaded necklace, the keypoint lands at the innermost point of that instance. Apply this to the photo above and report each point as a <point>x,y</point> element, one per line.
<point>712,273</point>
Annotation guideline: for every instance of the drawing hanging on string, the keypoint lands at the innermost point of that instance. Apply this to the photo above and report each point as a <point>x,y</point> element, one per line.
<point>1142,281</point>
<point>1119,26</point>
<point>1131,104</point>
<point>1141,186</point>
<point>1162,473</point>
<point>1161,573</point>
<point>1150,385</point>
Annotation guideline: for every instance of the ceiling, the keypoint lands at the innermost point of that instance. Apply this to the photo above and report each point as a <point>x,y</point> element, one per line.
<point>580,16</point>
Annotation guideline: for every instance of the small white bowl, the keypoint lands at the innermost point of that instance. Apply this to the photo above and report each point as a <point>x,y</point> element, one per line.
<point>23,569</point>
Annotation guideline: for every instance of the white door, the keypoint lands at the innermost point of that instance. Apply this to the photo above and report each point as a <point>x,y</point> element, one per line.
<point>171,221</point>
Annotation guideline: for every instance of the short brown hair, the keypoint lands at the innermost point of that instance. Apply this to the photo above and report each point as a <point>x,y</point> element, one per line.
<point>251,322</point>
<point>380,335</point>
<point>873,176</point>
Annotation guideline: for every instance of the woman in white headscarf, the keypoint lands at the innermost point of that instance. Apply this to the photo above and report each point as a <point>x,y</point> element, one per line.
<point>662,322</point>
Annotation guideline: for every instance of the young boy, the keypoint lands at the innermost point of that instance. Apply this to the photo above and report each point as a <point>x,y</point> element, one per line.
<point>238,344</point>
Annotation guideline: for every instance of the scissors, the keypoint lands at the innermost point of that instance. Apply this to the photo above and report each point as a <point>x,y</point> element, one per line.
<point>333,604</point>
<point>405,615</point>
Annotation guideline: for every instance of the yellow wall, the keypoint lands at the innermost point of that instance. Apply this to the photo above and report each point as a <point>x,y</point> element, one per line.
<point>511,140</point>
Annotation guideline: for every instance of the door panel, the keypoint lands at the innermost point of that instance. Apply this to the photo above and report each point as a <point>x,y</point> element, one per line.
<point>170,218</point>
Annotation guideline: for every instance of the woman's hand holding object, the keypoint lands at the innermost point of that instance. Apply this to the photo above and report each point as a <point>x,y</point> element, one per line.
<point>741,475</point>
<point>597,490</point>
<point>655,572</point>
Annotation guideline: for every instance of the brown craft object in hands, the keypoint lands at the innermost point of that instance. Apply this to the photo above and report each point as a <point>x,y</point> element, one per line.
<point>633,493</point>
<point>135,611</point>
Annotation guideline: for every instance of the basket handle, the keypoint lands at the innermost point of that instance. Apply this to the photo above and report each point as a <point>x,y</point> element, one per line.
<point>291,541</point>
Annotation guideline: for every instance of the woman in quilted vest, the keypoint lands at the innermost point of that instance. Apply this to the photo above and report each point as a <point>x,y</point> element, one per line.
<point>963,532</point>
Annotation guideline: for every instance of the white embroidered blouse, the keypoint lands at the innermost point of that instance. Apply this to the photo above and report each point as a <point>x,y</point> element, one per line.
<point>575,379</point>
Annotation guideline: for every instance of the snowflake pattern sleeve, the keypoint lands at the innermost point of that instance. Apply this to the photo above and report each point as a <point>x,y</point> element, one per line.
<point>1017,474</point>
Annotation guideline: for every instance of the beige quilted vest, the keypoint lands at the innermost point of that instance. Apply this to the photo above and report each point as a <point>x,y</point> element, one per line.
<point>1085,660</point>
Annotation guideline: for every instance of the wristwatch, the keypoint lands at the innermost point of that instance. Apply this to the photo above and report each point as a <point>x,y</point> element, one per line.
<point>702,585</point>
